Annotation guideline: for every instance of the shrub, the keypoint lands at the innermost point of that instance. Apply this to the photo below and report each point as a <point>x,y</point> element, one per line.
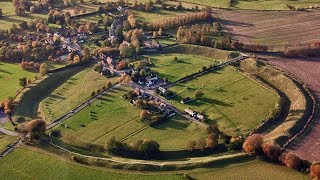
<point>315,170</point>
<point>292,161</point>
<point>253,144</point>
<point>272,151</point>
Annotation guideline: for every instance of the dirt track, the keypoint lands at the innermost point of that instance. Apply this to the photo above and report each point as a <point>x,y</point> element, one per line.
<point>276,29</point>
<point>307,70</point>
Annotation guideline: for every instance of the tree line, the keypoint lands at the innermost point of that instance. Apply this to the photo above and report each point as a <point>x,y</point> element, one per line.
<point>255,145</point>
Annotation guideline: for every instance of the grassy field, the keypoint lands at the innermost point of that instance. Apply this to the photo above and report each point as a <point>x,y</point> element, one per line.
<point>72,93</point>
<point>157,15</point>
<point>9,79</point>
<point>167,41</point>
<point>11,18</point>
<point>29,99</point>
<point>114,116</point>
<point>236,103</point>
<point>27,163</point>
<point>250,170</point>
<point>54,65</point>
<point>6,140</point>
<point>299,103</point>
<point>167,67</point>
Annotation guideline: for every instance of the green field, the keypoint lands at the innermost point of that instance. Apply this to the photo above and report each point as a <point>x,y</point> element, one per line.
<point>29,99</point>
<point>250,170</point>
<point>167,41</point>
<point>114,116</point>
<point>54,65</point>
<point>9,16</point>
<point>72,93</point>
<point>27,163</point>
<point>9,79</point>
<point>157,15</point>
<point>167,67</point>
<point>236,103</point>
<point>6,140</point>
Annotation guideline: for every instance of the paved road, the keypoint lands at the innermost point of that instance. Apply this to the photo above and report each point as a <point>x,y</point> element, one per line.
<point>7,132</point>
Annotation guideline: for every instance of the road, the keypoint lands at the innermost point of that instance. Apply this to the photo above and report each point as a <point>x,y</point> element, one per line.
<point>7,132</point>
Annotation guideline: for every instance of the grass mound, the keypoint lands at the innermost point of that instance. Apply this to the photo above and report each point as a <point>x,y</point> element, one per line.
<point>76,90</point>
<point>297,115</point>
<point>28,100</point>
<point>198,50</point>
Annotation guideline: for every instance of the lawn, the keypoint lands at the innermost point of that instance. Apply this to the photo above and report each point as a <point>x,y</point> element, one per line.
<point>6,140</point>
<point>28,163</point>
<point>157,15</point>
<point>54,65</point>
<point>114,116</point>
<point>9,16</point>
<point>9,79</point>
<point>72,93</point>
<point>236,103</point>
<point>167,41</point>
<point>250,170</point>
<point>186,64</point>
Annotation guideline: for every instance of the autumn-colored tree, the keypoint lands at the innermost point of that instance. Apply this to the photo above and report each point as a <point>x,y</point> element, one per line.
<point>43,69</point>
<point>86,54</point>
<point>272,151</point>
<point>125,78</point>
<point>292,161</point>
<point>201,144</point>
<point>191,145</point>
<point>253,144</point>
<point>7,105</point>
<point>35,128</point>
<point>315,170</point>
<point>122,65</point>
<point>144,115</point>
<point>213,137</point>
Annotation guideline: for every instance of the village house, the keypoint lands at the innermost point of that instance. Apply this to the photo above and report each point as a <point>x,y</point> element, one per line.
<point>152,45</point>
<point>194,114</point>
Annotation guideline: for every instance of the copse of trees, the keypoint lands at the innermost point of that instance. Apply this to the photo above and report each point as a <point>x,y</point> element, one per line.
<point>253,144</point>
<point>181,20</point>
<point>198,34</point>
<point>145,149</point>
<point>310,50</point>
<point>35,129</point>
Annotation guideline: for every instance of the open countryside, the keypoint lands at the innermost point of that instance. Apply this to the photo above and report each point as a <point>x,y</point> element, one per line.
<point>159,89</point>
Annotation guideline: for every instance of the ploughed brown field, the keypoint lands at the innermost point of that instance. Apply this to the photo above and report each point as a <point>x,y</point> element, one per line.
<point>276,29</point>
<point>307,70</point>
